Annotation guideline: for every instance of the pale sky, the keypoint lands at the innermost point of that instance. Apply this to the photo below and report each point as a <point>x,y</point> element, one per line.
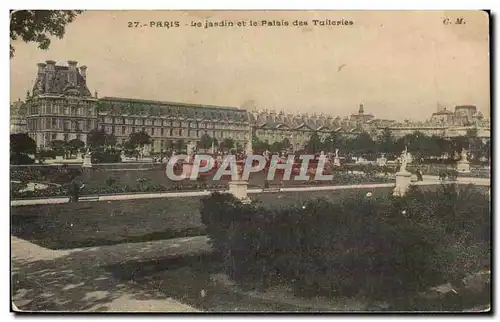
<point>398,64</point>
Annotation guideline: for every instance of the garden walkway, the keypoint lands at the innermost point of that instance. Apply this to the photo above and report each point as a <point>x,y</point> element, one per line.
<point>77,279</point>
<point>428,180</point>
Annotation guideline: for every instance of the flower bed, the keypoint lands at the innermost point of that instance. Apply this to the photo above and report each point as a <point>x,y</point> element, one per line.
<point>384,247</point>
<point>63,191</point>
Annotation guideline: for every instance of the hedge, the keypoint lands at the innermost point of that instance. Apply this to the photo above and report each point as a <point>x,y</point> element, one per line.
<point>378,248</point>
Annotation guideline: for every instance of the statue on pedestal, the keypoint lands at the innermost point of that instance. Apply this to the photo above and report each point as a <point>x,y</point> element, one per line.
<point>87,160</point>
<point>336,159</point>
<point>404,160</point>
<point>463,155</point>
<point>249,147</point>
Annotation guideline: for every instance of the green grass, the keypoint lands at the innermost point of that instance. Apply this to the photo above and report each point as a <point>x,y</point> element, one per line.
<point>87,224</point>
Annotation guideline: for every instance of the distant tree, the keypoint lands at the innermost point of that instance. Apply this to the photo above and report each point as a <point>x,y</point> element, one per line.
<point>99,139</point>
<point>259,146</point>
<point>179,145</point>
<point>75,145</point>
<point>58,146</point>
<point>486,149</point>
<point>474,142</point>
<point>227,144</point>
<point>21,143</point>
<point>276,147</point>
<point>386,142</point>
<point>139,139</point>
<point>205,142</point>
<point>364,145</point>
<point>285,144</point>
<point>39,25</point>
<point>314,144</point>
<point>335,141</point>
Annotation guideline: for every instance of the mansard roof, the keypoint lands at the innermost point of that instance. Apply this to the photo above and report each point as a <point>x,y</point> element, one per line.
<point>58,83</point>
<point>168,103</point>
<point>140,107</point>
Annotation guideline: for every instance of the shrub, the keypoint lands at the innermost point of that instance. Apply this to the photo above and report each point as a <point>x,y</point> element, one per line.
<point>380,247</point>
<point>21,159</point>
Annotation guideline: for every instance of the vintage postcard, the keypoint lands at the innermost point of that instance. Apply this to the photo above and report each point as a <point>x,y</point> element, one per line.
<point>250,161</point>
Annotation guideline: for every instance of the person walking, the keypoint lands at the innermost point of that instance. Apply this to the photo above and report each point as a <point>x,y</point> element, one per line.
<point>419,175</point>
<point>75,189</point>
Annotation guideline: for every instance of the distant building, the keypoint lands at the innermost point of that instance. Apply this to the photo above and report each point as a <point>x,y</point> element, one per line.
<point>60,106</point>
<point>18,117</point>
<point>361,117</point>
<point>168,122</point>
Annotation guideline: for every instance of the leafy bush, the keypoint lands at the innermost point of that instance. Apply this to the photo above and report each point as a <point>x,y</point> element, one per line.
<point>21,159</point>
<point>381,247</point>
<point>106,156</point>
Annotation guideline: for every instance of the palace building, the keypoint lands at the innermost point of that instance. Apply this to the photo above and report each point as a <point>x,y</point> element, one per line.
<point>168,122</point>
<point>61,107</point>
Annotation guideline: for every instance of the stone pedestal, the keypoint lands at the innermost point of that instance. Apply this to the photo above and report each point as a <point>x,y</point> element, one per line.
<point>336,161</point>
<point>187,167</point>
<point>463,166</point>
<point>403,181</point>
<point>381,162</point>
<point>87,161</point>
<point>239,189</point>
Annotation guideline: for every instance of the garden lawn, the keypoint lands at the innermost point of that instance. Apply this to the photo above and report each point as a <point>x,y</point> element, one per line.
<point>98,223</point>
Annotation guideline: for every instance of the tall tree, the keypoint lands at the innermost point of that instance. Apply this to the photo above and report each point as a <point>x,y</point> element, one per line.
<point>21,143</point>
<point>75,145</point>
<point>179,145</point>
<point>227,144</point>
<point>99,138</point>
<point>139,139</point>
<point>386,142</point>
<point>205,142</point>
<point>39,25</point>
<point>364,145</point>
<point>58,146</point>
<point>314,144</point>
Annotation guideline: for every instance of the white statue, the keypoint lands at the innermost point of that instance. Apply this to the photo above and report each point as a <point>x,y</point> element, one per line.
<point>404,160</point>
<point>464,154</point>
<point>336,153</point>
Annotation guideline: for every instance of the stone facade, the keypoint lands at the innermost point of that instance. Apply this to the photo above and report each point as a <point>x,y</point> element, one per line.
<point>61,106</point>
<point>168,122</point>
<point>18,117</point>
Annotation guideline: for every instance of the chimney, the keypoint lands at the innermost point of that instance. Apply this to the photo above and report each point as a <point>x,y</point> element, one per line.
<point>50,71</point>
<point>41,68</point>
<point>361,109</point>
<point>72,72</point>
<point>83,72</point>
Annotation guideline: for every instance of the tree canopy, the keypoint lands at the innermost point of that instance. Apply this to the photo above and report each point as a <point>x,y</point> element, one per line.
<point>99,138</point>
<point>139,139</point>
<point>21,143</point>
<point>39,25</point>
<point>205,142</point>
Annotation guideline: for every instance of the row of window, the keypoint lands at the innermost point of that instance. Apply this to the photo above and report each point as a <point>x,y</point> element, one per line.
<point>62,110</point>
<point>157,122</point>
<point>171,110</point>
<point>60,124</point>
<point>126,130</point>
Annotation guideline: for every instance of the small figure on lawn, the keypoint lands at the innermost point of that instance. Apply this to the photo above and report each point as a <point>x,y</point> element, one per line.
<point>420,176</point>
<point>75,190</point>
